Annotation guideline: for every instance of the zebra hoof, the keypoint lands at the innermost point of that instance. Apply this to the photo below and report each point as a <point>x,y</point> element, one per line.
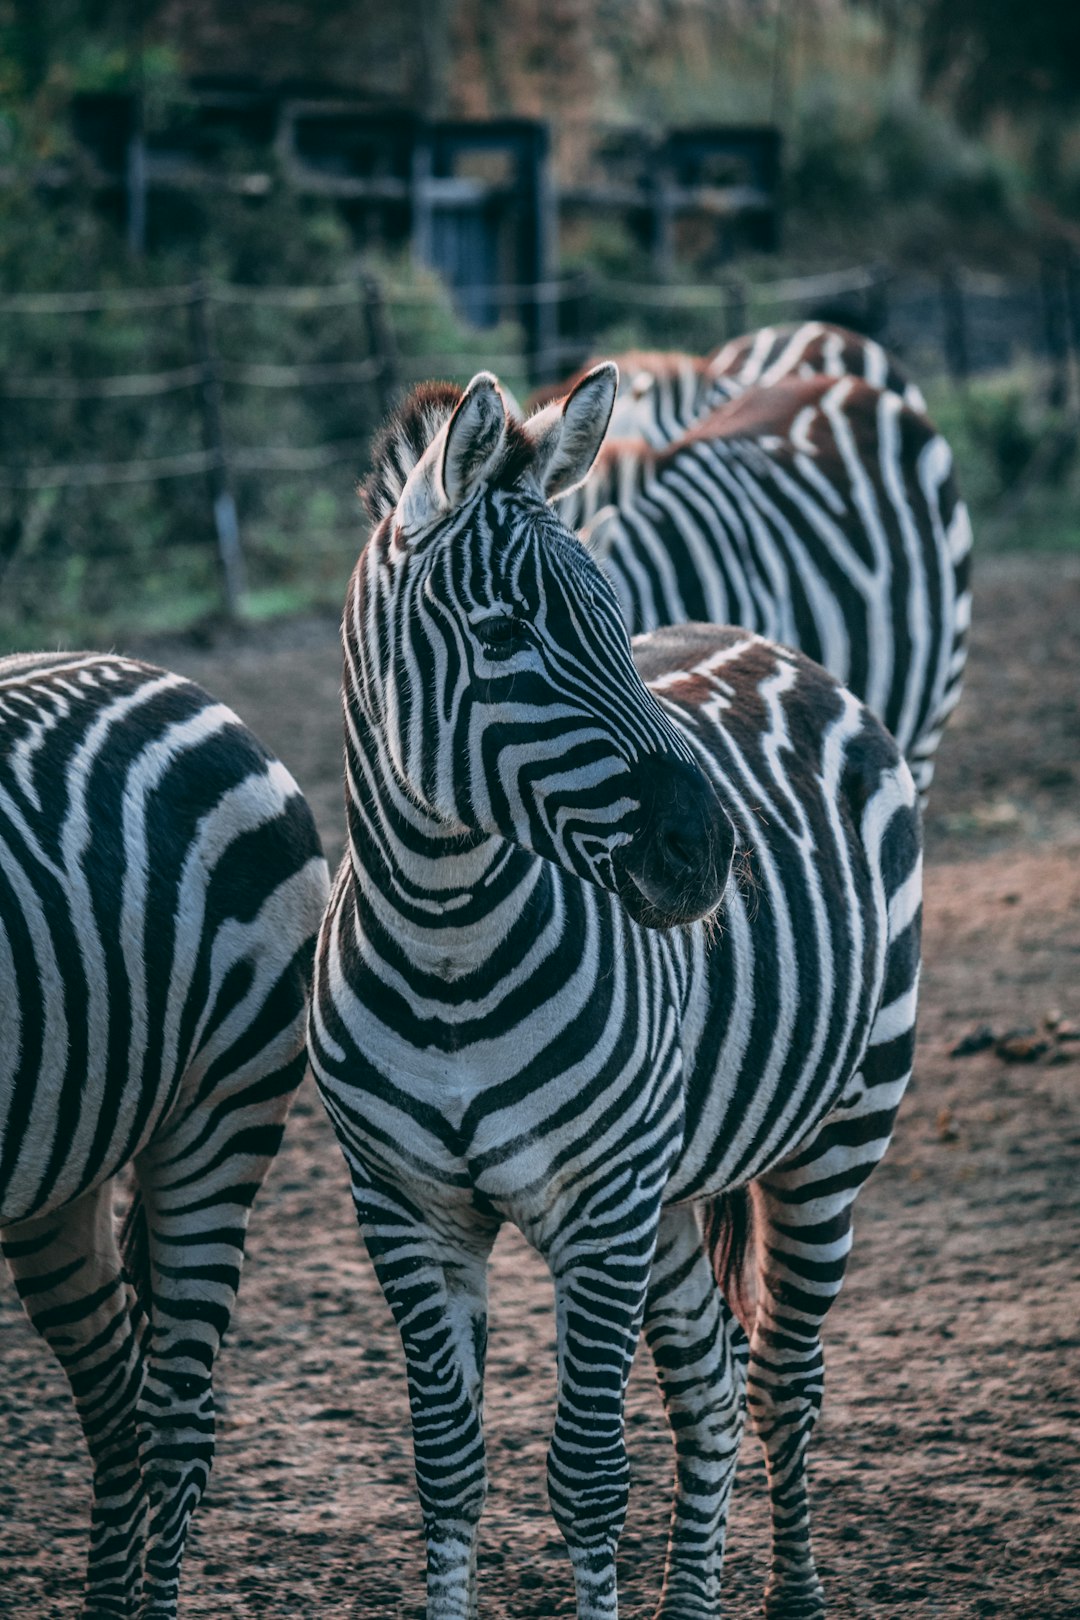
<point>796,1603</point>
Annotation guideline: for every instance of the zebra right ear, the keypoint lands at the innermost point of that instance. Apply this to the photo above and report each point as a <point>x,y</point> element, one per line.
<point>568,434</point>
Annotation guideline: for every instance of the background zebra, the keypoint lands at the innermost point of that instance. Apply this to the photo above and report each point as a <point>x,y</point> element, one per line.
<point>161,883</point>
<point>517,1017</point>
<point>822,513</point>
<point>663,393</point>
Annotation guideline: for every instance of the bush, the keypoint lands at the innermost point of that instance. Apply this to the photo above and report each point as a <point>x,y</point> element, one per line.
<point>86,562</point>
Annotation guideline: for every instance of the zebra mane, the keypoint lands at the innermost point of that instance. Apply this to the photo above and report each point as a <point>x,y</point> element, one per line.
<point>402,440</point>
<point>409,430</point>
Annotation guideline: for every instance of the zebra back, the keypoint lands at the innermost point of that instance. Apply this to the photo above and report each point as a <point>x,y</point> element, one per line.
<point>773,354</point>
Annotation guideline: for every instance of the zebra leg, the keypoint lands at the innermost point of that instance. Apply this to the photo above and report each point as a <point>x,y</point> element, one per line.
<point>435,1282</point>
<point>197,1184</point>
<point>700,1352</point>
<point>600,1292</point>
<point>69,1275</point>
<point>803,1217</point>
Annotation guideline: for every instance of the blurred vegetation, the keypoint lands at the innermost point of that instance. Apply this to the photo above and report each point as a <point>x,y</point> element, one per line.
<point>917,132</point>
<point>100,561</point>
<point>1017,458</point>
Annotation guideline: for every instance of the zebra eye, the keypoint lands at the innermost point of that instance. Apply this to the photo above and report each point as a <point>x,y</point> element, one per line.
<point>501,636</point>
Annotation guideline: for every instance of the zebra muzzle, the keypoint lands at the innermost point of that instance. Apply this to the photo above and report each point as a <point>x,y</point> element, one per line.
<point>675,868</point>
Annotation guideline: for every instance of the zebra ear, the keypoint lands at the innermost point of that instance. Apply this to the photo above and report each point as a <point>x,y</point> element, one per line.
<point>513,406</point>
<point>458,457</point>
<point>568,433</point>
<point>475,434</point>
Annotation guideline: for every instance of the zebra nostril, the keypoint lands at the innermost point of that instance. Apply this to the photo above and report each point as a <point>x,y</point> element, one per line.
<point>679,847</point>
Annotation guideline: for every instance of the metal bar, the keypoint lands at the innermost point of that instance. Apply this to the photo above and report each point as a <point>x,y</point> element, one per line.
<point>188,464</point>
<point>93,473</point>
<point>79,303</point>
<point>138,384</point>
<point>226,522</point>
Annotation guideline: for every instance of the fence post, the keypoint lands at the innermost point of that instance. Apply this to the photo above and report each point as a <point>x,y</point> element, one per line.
<point>734,293</point>
<point>226,522</point>
<point>1070,266</point>
<point>877,302</point>
<point>11,528</point>
<point>662,202</point>
<point>954,319</point>
<point>1055,327</point>
<point>583,321</point>
<point>381,342</point>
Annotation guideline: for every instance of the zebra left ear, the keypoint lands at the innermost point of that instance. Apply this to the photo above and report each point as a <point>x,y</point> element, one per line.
<point>568,434</point>
<point>458,457</point>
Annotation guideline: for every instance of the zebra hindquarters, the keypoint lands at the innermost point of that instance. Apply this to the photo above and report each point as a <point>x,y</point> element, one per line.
<point>803,1230</point>
<point>71,1279</point>
<point>699,1350</point>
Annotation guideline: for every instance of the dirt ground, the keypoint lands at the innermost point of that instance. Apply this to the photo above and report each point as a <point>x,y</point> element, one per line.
<point>946,1467</point>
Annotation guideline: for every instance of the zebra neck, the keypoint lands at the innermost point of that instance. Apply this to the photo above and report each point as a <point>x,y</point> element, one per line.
<point>435,890</point>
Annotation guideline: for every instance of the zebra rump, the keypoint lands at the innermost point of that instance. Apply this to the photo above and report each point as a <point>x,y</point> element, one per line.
<point>664,392</point>
<point>161,885</point>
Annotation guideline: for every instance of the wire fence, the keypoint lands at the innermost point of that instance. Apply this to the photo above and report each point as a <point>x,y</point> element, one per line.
<point>959,322</point>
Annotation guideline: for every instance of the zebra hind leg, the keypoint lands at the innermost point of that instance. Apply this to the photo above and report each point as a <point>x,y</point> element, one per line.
<point>802,1212</point>
<point>197,1183</point>
<point>700,1352</point>
<point>69,1275</point>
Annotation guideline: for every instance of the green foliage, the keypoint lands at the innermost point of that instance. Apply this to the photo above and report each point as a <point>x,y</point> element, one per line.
<point>1017,460</point>
<point>95,562</point>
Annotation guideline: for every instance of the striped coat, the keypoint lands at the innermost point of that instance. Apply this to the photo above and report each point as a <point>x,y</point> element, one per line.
<point>821,513</point>
<point>161,883</point>
<point>663,393</point>
<point>619,936</point>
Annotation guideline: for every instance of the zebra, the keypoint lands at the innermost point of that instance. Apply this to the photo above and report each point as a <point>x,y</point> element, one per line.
<point>620,934</point>
<point>805,349</point>
<point>818,511</point>
<point>161,885</point>
<point>663,393</point>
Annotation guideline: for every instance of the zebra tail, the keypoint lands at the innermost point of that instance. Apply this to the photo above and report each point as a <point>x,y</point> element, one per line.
<point>728,1230</point>
<point>135,1251</point>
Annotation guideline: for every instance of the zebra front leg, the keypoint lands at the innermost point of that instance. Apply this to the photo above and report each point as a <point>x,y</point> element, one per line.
<point>803,1219</point>
<point>434,1277</point>
<point>600,1291</point>
<point>68,1273</point>
<point>700,1352</point>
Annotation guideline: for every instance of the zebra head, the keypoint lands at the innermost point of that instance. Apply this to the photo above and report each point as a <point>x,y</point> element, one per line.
<point>488,666</point>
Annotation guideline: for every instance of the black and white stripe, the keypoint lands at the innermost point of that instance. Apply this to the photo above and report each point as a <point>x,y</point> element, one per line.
<point>821,513</point>
<point>663,393</point>
<point>619,935</point>
<point>161,884</point>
